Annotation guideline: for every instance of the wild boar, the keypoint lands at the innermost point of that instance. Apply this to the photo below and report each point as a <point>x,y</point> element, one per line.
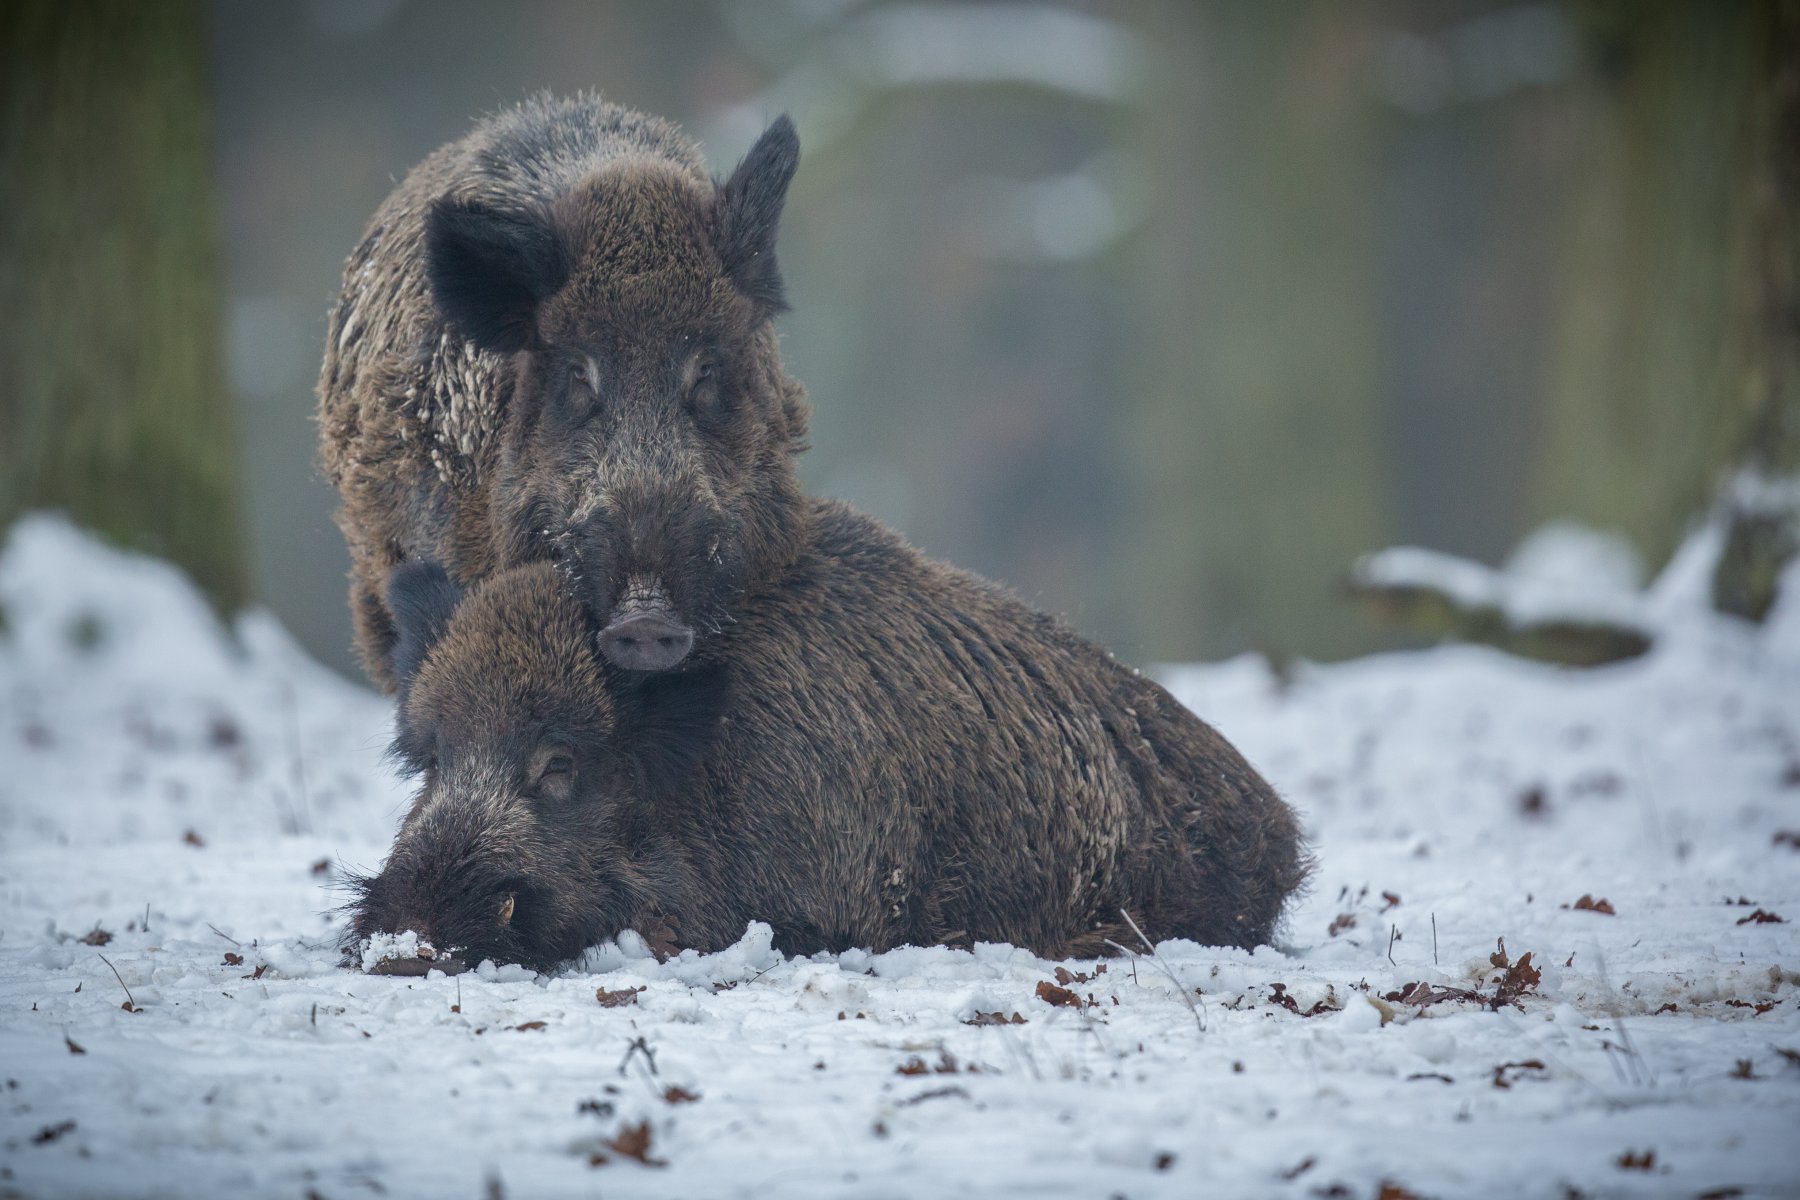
<point>554,342</point>
<point>880,750</point>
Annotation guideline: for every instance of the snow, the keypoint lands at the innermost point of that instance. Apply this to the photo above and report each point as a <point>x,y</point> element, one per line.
<point>1483,795</point>
<point>1563,572</point>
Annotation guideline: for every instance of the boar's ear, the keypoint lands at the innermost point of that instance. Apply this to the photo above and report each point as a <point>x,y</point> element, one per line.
<point>748,214</point>
<point>489,271</point>
<point>421,596</point>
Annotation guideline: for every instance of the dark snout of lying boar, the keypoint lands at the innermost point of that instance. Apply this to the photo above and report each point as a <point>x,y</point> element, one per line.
<point>555,342</point>
<point>885,750</point>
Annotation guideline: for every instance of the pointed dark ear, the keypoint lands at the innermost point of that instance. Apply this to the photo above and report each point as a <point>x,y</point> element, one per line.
<point>749,213</point>
<point>490,270</point>
<point>421,596</point>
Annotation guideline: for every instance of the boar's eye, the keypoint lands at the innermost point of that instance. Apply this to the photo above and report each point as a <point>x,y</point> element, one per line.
<point>584,386</point>
<point>706,391</point>
<point>553,776</point>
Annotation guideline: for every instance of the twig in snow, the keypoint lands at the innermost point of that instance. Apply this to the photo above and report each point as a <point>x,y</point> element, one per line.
<point>1393,932</point>
<point>223,934</point>
<point>1434,957</point>
<point>1180,988</point>
<point>638,1046</point>
<point>130,1001</point>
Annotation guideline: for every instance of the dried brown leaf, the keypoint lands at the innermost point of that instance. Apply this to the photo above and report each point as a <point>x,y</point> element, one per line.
<point>1340,923</point>
<point>618,999</point>
<point>1762,917</point>
<point>1392,1191</point>
<point>676,1094</point>
<point>995,1018</point>
<point>1759,1008</point>
<point>632,1141</point>
<point>1517,978</point>
<point>530,1025</point>
<point>1519,1069</point>
<point>1424,995</point>
<point>1588,904</point>
<point>1278,994</point>
<point>662,933</point>
<point>1636,1161</point>
<point>193,839</point>
<point>1049,993</point>
<point>96,937</point>
<point>233,960</point>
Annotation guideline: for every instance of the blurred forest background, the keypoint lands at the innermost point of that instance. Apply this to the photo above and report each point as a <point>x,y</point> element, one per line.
<point>1160,312</point>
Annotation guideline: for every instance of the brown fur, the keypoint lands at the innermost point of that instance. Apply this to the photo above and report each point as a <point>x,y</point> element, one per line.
<point>885,750</point>
<point>558,241</point>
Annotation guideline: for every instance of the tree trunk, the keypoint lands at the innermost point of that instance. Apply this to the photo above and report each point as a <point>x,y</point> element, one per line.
<point>112,399</point>
<point>1762,503</point>
<point>1256,422</point>
<point>1648,362</point>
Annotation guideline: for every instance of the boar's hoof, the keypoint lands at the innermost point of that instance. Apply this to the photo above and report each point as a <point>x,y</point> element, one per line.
<point>645,642</point>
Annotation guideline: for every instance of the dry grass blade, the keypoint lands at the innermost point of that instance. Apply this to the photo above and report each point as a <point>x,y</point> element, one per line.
<point>130,1004</point>
<point>1150,951</point>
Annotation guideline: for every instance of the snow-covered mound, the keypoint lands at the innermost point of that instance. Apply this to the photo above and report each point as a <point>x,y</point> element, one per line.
<point>1563,572</point>
<point>174,794</point>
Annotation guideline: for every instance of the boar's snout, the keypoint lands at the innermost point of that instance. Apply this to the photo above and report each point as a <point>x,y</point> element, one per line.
<point>645,632</point>
<point>645,642</point>
<point>461,912</point>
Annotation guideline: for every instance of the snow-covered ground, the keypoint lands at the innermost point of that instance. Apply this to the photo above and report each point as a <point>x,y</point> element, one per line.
<point>172,797</point>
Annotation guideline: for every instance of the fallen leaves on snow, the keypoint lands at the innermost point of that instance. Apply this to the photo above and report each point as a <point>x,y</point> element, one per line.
<point>618,999</point>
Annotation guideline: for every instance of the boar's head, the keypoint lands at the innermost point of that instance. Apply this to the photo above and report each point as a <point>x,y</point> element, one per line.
<point>650,429</point>
<point>542,823</point>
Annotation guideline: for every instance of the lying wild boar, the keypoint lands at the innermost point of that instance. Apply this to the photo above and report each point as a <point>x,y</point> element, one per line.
<point>555,342</point>
<point>881,750</point>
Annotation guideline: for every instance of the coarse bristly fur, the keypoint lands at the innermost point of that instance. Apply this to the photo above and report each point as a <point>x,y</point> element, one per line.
<point>887,751</point>
<point>554,342</point>
<point>554,346</point>
<point>535,832</point>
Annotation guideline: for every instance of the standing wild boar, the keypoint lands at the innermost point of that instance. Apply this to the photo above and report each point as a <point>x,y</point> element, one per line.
<point>554,342</point>
<point>880,750</point>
